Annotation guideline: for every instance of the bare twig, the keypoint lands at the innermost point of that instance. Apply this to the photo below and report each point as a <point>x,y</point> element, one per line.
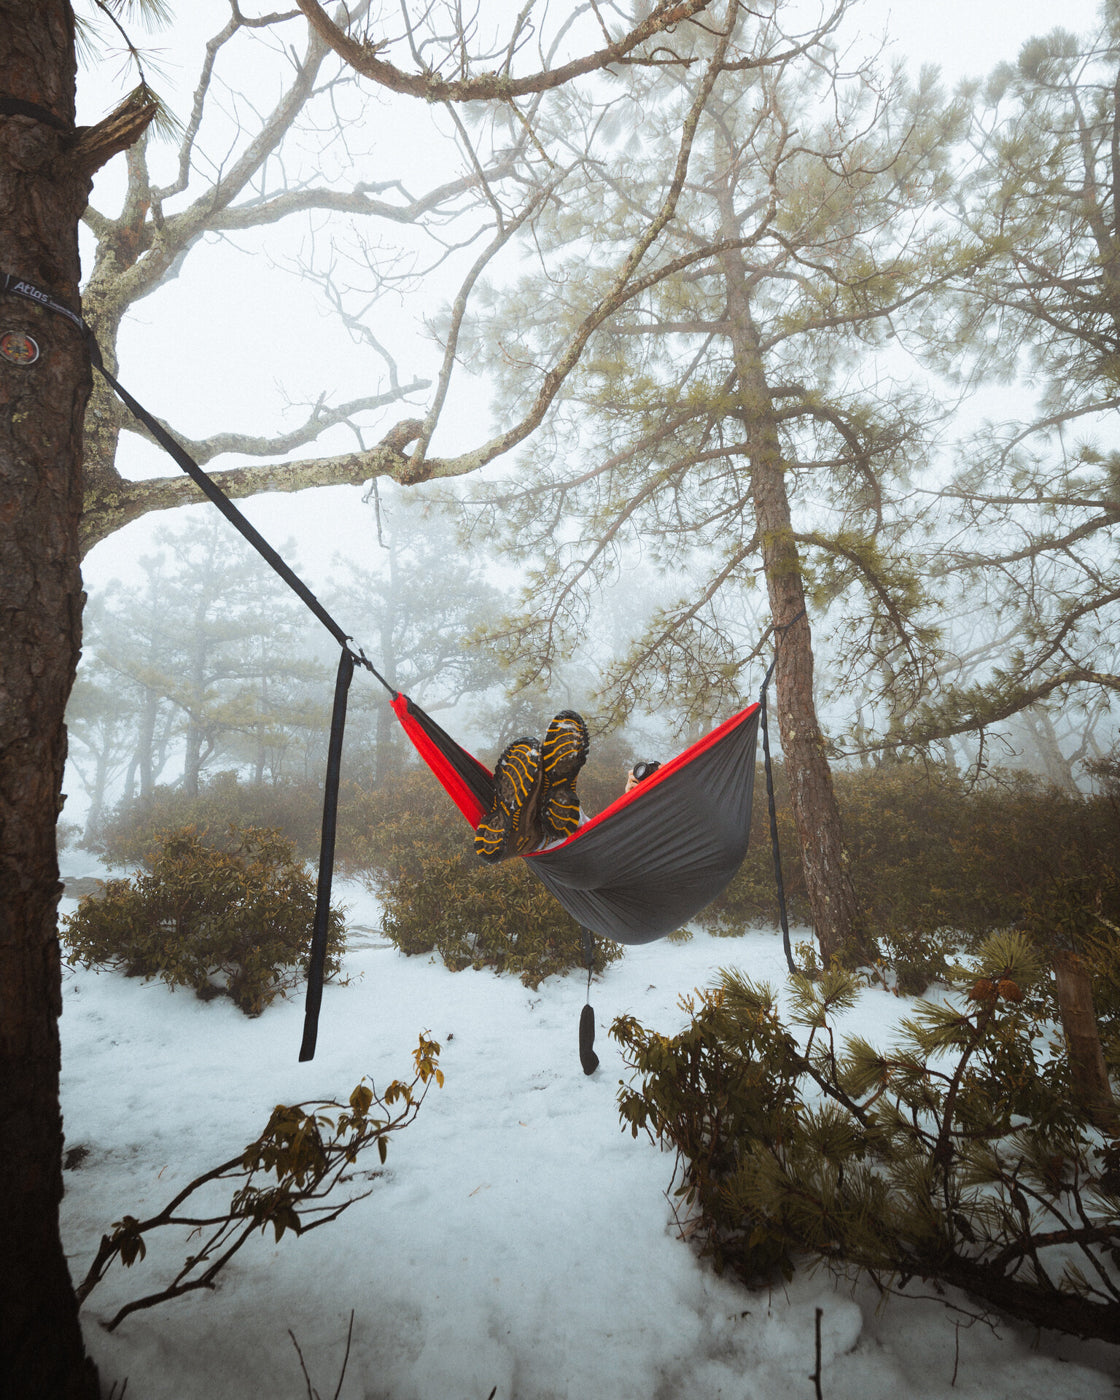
<point>313,1394</point>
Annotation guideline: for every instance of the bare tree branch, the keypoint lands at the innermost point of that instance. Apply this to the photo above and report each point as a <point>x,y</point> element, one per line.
<point>361,55</point>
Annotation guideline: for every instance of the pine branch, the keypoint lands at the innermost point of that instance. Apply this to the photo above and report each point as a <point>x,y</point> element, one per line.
<point>122,128</point>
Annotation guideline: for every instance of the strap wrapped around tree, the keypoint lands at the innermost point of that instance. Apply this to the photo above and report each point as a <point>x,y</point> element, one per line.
<point>656,856</point>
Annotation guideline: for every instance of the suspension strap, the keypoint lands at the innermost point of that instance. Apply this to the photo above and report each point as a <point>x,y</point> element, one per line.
<point>21,287</point>
<point>587,1056</point>
<point>17,107</point>
<point>18,286</point>
<point>326,859</point>
<point>772,805</point>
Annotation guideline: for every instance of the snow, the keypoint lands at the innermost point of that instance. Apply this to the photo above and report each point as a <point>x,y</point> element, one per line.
<point>520,1244</point>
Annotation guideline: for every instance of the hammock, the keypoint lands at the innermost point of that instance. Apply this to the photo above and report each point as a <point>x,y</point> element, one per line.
<point>656,856</point>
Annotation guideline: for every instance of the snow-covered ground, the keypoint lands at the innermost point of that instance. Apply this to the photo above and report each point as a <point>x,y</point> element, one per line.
<point>519,1245</point>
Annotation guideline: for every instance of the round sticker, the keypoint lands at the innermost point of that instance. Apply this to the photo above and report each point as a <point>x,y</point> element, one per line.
<point>18,347</point>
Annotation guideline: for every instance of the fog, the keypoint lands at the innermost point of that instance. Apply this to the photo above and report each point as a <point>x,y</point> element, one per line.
<point>241,338</point>
<point>731,344</point>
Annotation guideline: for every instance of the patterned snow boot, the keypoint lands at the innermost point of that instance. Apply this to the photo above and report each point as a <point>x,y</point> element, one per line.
<point>512,824</point>
<point>563,754</point>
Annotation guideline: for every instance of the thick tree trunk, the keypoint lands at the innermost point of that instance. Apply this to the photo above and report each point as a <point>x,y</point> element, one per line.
<point>837,919</point>
<point>42,194</point>
<point>1089,1085</point>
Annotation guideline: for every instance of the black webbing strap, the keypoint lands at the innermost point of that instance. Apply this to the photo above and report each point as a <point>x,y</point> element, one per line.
<point>768,766</point>
<point>18,107</point>
<point>587,1056</point>
<point>326,859</point>
<point>19,286</point>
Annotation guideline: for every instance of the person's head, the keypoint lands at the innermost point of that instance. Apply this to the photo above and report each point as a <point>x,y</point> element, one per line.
<point>640,772</point>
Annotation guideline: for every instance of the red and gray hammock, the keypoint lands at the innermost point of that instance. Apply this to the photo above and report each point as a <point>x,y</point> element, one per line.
<point>637,871</point>
<point>648,863</point>
<point>656,856</point>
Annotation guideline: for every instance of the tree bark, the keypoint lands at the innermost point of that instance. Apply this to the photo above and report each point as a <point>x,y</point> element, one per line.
<point>1089,1083</point>
<point>837,919</point>
<point>43,190</point>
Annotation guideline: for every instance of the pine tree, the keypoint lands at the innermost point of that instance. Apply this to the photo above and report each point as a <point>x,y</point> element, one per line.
<point>741,385</point>
<point>1036,501</point>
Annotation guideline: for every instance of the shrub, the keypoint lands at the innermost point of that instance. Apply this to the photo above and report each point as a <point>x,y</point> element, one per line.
<point>1101,954</point>
<point>936,863</point>
<point>132,830</point>
<point>439,897</point>
<point>955,1157</point>
<point>234,918</point>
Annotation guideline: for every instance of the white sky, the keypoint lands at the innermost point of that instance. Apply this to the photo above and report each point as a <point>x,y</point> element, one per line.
<point>967,38</point>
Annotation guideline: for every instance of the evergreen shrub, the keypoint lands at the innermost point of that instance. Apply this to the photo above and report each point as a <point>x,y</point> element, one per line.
<point>954,1157</point>
<point>131,830</point>
<point>418,853</point>
<point>232,917</point>
<point>940,865</point>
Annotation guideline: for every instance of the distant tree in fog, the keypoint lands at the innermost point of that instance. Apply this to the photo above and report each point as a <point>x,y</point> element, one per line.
<point>421,600</point>
<point>100,731</point>
<point>209,659</point>
<point>1037,503</point>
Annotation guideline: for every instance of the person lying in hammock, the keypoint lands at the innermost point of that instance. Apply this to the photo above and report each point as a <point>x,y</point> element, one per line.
<point>535,802</point>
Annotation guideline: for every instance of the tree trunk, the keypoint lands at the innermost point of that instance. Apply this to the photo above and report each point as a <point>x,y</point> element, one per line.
<point>97,794</point>
<point>1089,1084</point>
<point>1057,769</point>
<point>837,919</point>
<point>145,746</point>
<point>192,759</point>
<point>42,195</point>
<point>196,685</point>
